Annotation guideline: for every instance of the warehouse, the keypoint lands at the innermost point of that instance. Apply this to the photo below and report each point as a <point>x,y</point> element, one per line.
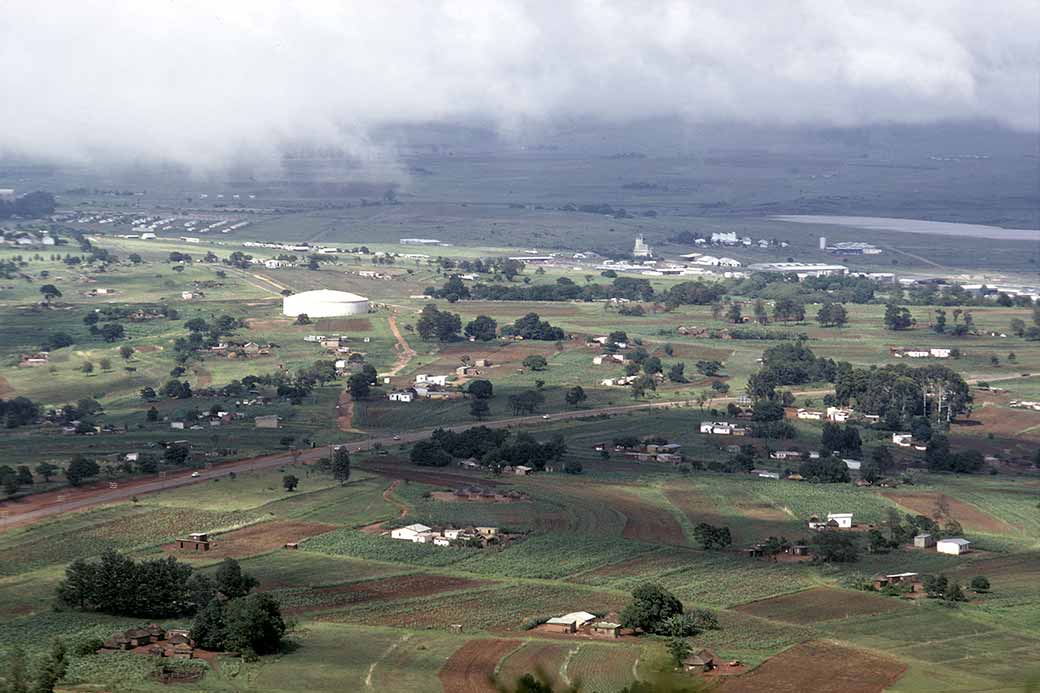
<point>802,269</point>
<point>324,303</point>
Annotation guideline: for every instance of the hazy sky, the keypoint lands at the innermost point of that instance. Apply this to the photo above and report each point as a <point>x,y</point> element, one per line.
<point>199,82</point>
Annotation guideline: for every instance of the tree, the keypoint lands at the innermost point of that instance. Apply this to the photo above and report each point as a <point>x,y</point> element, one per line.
<point>536,362</point>
<point>650,608</point>
<point>482,328</point>
<point>209,629</point>
<point>711,537</point>
<point>788,309</point>
<point>708,368</point>
<point>87,367</point>
<point>341,464</point>
<point>733,313</point>
<point>677,373</point>
<point>436,324</point>
<point>834,546</point>
<point>1018,327</point>
<point>50,292</point>
<point>980,583</point>
<point>481,389</point>
<point>479,409</point>
<point>126,351</point>
<point>80,469</point>
<point>46,470</point>
<point>870,472</point>
<point>231,581</point>
<point>531,326</point>
<point>759,309</point>
<point>58,340</point>
<point>427,453</point>
<point>290,482</point>
<point>254,624</point>
<point>898,317</point>
<point>303,319</point>
<point>359,385</point>
<point>575,396</point>
<point>678,649</point>
<point>824,470</point>
<point>52,669</point>
<point>832,315</point>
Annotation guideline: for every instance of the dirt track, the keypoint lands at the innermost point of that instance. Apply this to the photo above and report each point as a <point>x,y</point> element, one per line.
<point>470,669</point>
<point>39,506</point>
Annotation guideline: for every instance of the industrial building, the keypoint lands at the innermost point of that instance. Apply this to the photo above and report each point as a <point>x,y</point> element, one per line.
<point>641,249</point>
<point>324,303</point>
<point>802,269</point>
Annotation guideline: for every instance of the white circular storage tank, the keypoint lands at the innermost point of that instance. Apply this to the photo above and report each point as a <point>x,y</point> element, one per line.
<point>324,303</point>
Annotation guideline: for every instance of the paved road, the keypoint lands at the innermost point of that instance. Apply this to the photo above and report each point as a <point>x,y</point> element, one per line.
<point>45,505</point>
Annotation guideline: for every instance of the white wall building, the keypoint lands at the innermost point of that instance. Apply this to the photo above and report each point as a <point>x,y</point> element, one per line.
<point>954,546</point>
<point>324,303</point>
<point>411,533</point>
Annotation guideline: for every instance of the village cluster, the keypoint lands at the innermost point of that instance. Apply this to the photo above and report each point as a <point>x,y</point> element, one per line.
<point>477,537</point>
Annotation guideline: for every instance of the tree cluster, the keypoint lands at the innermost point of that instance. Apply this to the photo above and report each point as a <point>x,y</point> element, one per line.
<point>531,326</point>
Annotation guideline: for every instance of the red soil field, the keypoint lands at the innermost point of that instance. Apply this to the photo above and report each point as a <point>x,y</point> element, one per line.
<point>821,604</point>
<point>542,657</point>
<point>254,539</point>
<point>965,513</point>
<point>380,589</point>
<point>819,667</point>
<point>645,522</point>
<point>469,670</point>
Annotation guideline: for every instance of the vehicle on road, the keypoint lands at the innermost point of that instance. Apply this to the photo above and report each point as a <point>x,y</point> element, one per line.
<point>545,416</point>
<point>195,475</point>
<point>397,437</point>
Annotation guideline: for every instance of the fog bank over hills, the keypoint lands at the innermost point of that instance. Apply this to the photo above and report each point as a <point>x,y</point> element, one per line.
<point>211,86</point>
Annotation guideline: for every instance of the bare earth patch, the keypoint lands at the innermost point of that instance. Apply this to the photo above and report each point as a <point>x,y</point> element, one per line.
<point>819,667</point>
<point>470,669</point>
<point>965,513</point>
<point>383,589</point>
<point>255,539</point>
<point>821,604</point>
<point>5,387</point>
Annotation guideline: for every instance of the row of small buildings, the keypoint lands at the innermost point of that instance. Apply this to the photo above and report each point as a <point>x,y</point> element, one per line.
<point>421,534</point>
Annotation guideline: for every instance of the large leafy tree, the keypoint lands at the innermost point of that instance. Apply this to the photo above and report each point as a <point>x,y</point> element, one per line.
<point>651,607</point>
<point>482,328</point>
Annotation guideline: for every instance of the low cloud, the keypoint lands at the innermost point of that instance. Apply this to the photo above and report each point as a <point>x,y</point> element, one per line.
<point>205,84</point>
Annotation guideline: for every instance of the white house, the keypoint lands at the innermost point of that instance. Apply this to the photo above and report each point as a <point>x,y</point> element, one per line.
<point>940,353</point>
<point>785,454</point>
<point>572,621</point>
<point>431,379</point>
<point>722,428</point>
<point>903,440</point>
<point>441,541</point>
<point>954,546</point>
<point>402,396</point>
<point>811,414</point>
<point>410,533</point>
<point>844,520</point>
<point>274,264</point>
<point>853,465</point>
<point>838,414</point>
<point>454,534</point>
